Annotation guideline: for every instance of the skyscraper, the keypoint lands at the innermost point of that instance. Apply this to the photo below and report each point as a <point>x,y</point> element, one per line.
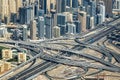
<point>88,22</point>
<point>13,17</point>
<point>48,26</point>
<point>33,29</point>
<point>74,3</point>
<point>44,6</point>
<point>9,6</point>
<point>69,3</point>
<point>4,8</point>
<point>25,36</point>
<point>26,14</point>
<point>91,22</point>
<point>71,28</point>
<point>60,6</point>
<point>99,18</point>
<point>82,19</point>
<point>36,8</point>
<point>61,22</point>
<point>116,4</point>
<point>108,7</point>
<point>93,8</point>
<point>56,32</point>
<point>78,26</point>
<point>101,10</point>
<point>41,27</point>
<point>18,4</point>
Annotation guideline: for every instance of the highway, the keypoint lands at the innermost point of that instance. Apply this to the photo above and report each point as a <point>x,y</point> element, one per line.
<point>29,72</point>
<point>59,59</point>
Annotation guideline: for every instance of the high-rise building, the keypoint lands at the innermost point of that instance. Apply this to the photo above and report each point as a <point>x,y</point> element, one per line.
<point>36,8</point>
<point>22,15</point>
<point>41,12</point>
<point>108,7</point>
<point>90,8</point>
<point>99,18</point>
<point>74,3</point>
<point>4,8</point>
<point>71,28</point>
<point>26,14</point>
<point>91,22</point>
<point>78,26</point>
<point>18,4</point>
<point>93,8</point>
<point>69,3</point>
<point>45,5</point>
<point>88,22</point>
<point>12,6</point>
<point>3,32</point>
<point>101,10</point>
<point>13,17</point>
<point>69,16</point>
<point>61,19</point>
<point>6,19</point>
<point>56,32</point>
<point>48,26</point>
<point>25,36</point>
<point>116,4</point>
<point>82,19</point>
<point>29,14</point>
<point>60,6</point>
<point>9,6</point>
<point>61,22</point>
<point>41,27</point>
<point>33,29</point>
<point>54,17</point>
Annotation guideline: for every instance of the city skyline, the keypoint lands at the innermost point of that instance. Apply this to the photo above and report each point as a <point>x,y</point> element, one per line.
<point>59,39</point>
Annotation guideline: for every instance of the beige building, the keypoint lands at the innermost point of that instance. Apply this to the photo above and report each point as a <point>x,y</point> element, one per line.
<point>4,8</point>
<point>56,31</point>
<point>82,19</point>
<point>9,6</point>
<point>21,57</point>
<point>1,67</point>
<point>6,53</point>
<point>33,29</point>
<point>18,4</point>
<point>4,66</point>
<point>69,16</point>
<point>7,66</point>
<point>12,6</point>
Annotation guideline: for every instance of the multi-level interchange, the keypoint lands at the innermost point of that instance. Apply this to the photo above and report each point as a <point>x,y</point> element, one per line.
<point>69,51</point>
<point>59,39</point>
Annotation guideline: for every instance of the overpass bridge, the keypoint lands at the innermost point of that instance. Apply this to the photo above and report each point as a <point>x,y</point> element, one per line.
<point>55,60</point>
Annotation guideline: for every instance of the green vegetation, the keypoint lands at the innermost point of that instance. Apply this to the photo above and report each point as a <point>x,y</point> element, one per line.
<point>1,47</point>
<point>28,57</point>
<point>15,59</point>
<point>12,60</point>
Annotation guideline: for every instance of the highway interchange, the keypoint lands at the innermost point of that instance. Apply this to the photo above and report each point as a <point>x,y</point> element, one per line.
<point>51,61</point>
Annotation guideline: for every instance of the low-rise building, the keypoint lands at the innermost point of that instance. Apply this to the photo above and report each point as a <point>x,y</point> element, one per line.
<point>7,66</point>
<point>7,54</point>
<point>1,67</point>
<point>4,66</point>
<point>21,57</point>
